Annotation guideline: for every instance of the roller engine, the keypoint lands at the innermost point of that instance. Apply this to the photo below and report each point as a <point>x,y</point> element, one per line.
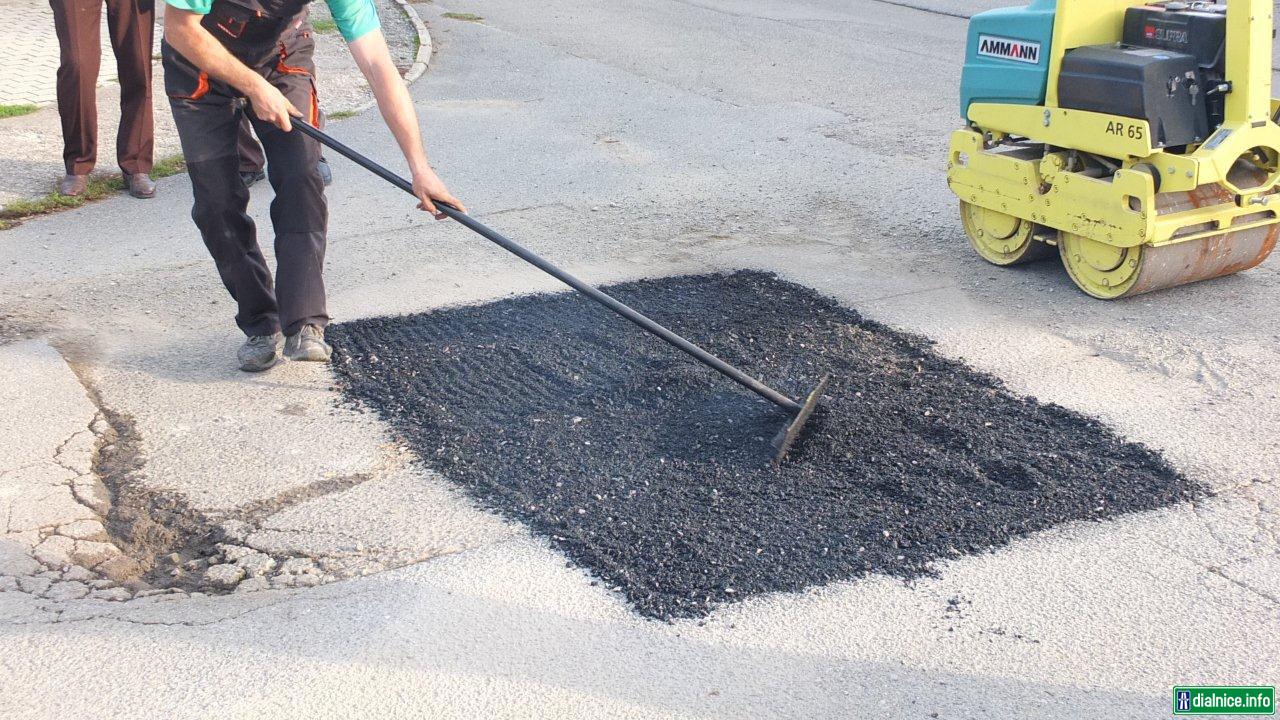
<point>1138,139</point>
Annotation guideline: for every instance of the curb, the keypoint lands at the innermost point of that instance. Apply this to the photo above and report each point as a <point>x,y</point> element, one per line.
<point>420,61</point>
<point>424,43</point>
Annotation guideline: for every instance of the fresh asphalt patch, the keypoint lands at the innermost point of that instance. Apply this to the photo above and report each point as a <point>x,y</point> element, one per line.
<point>654,472</point>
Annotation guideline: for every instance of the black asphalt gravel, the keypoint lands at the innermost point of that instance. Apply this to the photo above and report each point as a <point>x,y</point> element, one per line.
<point>653,472</point>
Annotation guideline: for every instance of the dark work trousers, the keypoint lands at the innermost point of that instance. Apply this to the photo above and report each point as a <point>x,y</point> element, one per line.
<point>251,157</point>
<point>207,114</point>
<point>248,148</point>
<point>131,25</point>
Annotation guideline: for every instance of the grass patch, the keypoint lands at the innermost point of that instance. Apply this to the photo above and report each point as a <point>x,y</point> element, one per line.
<point>17,211</point>
<point>10,111</point>
<point>466,17</point>
<point>166,166</point>
<point>340,115</point>
<point>325,26</point>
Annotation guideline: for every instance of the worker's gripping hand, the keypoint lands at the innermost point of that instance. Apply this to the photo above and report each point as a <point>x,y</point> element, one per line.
<point>427,186</point>
<point>270,105</point>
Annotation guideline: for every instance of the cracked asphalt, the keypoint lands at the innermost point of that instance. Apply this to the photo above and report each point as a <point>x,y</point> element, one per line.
<point>626,140</point>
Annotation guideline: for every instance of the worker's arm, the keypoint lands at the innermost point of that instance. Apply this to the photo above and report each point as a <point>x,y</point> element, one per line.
<point>374,60</point>
<point>183,31</point>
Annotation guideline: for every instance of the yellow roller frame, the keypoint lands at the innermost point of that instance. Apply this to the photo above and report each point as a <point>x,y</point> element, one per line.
<point>1120,211</point>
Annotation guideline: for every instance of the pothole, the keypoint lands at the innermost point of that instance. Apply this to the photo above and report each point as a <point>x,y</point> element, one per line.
<point>94,529</point>
<point>173,546</point>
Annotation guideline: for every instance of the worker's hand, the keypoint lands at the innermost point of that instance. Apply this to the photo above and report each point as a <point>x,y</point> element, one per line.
<point>270,105</point>
<point>427,186</point>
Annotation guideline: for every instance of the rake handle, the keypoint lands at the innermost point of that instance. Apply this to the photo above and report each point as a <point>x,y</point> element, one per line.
<point>544,265</point>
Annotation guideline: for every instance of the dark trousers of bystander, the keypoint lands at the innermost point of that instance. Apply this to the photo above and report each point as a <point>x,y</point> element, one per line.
<point>131,26</point>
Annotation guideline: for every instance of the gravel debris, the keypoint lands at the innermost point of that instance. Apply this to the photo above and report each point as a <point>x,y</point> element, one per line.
<point>84,530</point>
<point>653,472</point>
<point>253,584</point>
<point>306,580</point>
<point>67,591</point>
<point>224,576</point>
<point>236,530</point>
<point>256,564</point>
<point>76,572</point>
<point>298,566</point>
<point>115,594</point>
<point>91,554</point>
<point>120,568</point>
<point>232,553</point>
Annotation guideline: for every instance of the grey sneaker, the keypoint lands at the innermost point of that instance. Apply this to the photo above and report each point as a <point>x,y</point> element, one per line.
<point>308,345</point>
<point>260,352</point>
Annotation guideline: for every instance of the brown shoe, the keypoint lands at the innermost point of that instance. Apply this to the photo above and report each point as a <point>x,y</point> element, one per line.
<point>73,185</point>
<point>140,185</point>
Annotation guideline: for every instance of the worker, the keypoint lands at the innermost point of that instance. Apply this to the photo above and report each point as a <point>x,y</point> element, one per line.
<point>131,25</point>
<point>223,58</point>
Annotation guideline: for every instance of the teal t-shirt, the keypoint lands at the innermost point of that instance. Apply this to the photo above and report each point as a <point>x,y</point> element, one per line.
<point>354,18</point>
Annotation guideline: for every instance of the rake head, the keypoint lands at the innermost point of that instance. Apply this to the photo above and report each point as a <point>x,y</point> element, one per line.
<point>791,432</point>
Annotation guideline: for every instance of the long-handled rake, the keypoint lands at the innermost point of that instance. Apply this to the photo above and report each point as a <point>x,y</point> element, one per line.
<point>800,411</point>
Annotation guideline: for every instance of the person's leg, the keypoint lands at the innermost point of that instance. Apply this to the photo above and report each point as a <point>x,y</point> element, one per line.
<point>252,161</point>
<point>132,27</point>
<point>206,123</point>
<point>76,23</point>
<point>298,212</point>
<point>300,217</point>
<point>221,200</point>
<point>326,172</point>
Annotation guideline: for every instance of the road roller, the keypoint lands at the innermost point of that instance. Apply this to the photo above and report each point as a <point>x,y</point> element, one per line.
<point>1138,140</point>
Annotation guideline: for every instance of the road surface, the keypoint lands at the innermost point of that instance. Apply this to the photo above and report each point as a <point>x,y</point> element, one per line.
<point>632,140</point>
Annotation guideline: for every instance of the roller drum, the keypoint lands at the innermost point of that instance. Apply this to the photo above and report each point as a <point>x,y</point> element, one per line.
<point>1110,272</point>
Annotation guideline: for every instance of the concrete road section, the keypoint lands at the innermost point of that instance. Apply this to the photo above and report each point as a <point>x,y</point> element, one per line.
<point>295,562</point>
